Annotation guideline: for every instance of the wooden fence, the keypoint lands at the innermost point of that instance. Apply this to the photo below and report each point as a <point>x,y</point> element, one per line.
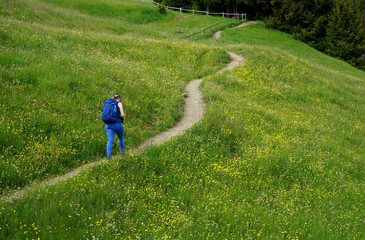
<point>241,16</point>
<point>204,29</point>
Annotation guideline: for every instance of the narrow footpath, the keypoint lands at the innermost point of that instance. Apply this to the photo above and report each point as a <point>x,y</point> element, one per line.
<point>193,113</point>
<point>194,108</point>
<point>218,34</point>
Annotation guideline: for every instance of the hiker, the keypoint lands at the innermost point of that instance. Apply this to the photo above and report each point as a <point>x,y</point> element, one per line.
<point>113,116</point>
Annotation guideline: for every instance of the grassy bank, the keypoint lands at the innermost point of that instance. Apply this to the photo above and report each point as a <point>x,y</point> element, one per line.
<point>59,60</point>
<point>279,155</point>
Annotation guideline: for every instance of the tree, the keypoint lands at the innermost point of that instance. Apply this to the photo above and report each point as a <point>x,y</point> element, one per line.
<point>345,37</point>
<point>361,6</point>
<point>257,9</point>
<point>293,16</point>
<point>212,5</point>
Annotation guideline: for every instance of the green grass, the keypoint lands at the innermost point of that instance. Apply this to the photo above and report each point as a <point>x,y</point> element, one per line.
<point>58,65</point>
<point>279,154</point>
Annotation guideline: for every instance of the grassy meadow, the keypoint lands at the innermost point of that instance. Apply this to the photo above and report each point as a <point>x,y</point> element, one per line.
<point>60,60</point>
<point>279,154</point>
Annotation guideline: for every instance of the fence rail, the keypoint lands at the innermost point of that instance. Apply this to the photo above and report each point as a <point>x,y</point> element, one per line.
<point>205,29</point>
<point>223,14</point>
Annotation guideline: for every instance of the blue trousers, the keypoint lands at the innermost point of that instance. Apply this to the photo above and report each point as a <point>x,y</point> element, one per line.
<point>111,129</point>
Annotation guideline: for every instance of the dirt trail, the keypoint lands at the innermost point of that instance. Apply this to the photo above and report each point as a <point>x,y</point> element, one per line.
<point>217,35</point>
<point>194,112</point>
<point>194,108</point>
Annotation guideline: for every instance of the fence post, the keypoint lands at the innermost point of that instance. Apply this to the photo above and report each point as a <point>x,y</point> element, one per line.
<point>207,13</point>
<point>222,14</point>
<point>181,10</point>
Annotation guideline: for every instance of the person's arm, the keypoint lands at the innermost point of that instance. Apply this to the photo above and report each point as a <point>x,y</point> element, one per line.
<point>120,105</point>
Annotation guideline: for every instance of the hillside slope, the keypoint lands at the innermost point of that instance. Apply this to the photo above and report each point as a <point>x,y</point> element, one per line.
<point>279,154</point>
<point>59,60</point>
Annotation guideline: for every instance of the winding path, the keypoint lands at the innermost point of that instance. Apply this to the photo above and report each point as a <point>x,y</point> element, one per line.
<point>194,108</point>
<point>218,34</point>
<point>193,113</point>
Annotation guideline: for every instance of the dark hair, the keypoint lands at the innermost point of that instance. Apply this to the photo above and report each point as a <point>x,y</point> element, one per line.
<point>116,96</point>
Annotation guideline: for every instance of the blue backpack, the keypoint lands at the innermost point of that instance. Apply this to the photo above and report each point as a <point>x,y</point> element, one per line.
<point>111,112</point>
